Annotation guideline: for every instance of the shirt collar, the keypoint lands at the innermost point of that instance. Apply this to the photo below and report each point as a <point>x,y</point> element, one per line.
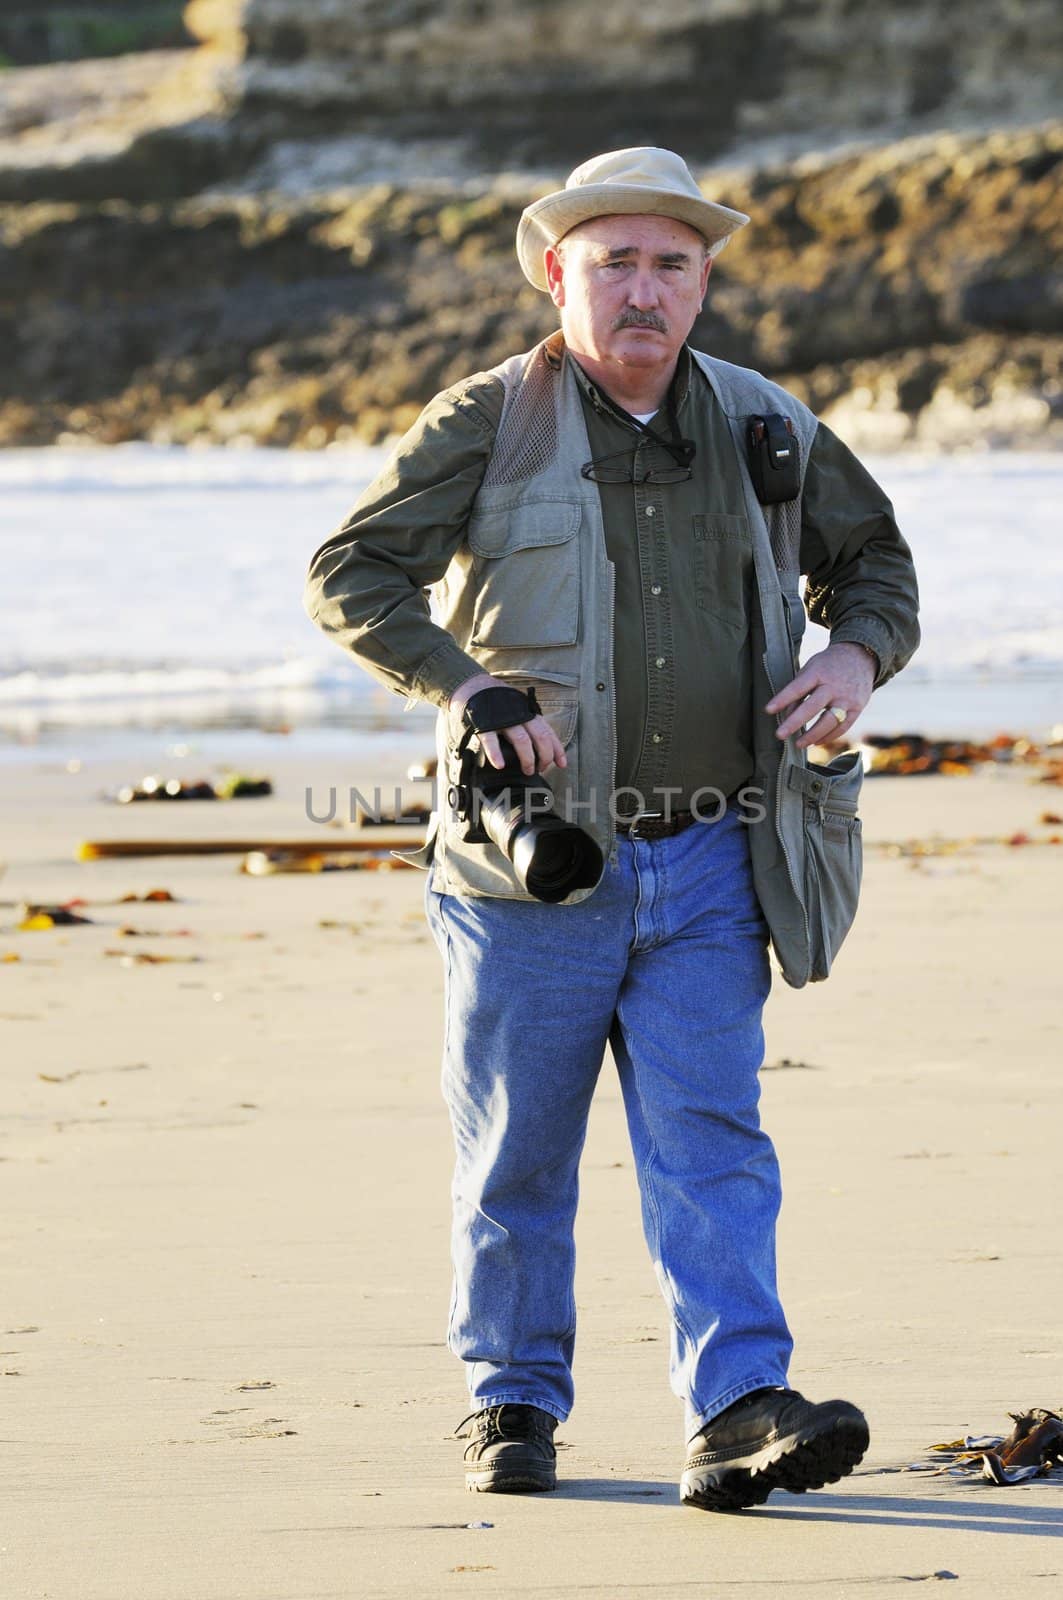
<point>588,387</point>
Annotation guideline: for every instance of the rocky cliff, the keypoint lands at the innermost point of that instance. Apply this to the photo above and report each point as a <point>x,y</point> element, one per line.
<point>531,82</point>
<point>213,254</point>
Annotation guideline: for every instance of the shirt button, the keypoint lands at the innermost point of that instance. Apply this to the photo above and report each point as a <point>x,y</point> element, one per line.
<point>651,511</point>
<point>655,588</point>
<point>657,738</point>
<point>660,661</point>
<point>599,685</point>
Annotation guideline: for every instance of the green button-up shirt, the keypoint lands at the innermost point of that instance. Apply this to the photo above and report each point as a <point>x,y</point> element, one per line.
<point>683,555</point>
<point>683,559</point>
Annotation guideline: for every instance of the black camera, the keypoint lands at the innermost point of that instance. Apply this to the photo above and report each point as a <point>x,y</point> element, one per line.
<point>505,807</point>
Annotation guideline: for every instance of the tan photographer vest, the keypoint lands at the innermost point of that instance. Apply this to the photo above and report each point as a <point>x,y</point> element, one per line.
<point>530,596</point>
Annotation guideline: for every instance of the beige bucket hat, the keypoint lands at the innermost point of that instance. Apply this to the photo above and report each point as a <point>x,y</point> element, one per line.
<point>642,181</point>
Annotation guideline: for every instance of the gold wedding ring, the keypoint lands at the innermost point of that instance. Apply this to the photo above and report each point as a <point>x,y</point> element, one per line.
<point>839,712</point>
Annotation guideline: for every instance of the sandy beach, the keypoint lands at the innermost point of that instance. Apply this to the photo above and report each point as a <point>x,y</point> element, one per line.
<point>225,1202</point>
<point>243,243</point>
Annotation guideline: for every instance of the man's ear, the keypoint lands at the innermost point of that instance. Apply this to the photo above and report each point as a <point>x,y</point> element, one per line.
<point>555,276</point>
<point>706,269</point>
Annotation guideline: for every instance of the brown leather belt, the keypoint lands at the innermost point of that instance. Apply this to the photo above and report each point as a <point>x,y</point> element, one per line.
<point>652,825</point>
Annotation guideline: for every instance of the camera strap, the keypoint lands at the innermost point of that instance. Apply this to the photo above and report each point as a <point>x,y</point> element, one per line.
<point>681,450</point>
<point>488,710</point>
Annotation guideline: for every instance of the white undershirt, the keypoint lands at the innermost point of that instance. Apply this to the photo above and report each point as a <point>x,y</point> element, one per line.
<point>643,416</point>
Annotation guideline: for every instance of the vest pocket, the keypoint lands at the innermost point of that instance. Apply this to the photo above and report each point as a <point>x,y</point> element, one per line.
<point>723,567</point>
<point>559,698</point>
<point>526,574</point>
<point>834,853</point>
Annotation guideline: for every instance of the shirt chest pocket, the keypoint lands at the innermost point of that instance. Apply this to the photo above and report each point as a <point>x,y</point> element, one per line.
<point>723,567</point>
<point>526,574</point>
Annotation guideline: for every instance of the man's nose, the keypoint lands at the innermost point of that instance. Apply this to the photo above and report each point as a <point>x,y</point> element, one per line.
<point>642,290</point>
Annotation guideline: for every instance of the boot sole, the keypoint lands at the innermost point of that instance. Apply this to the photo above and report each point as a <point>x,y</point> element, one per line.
<point>806,1460</point>
<point>509,1483</point>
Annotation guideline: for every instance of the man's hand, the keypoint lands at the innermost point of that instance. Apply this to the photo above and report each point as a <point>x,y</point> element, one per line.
<point>531,740</point>
<point>843,675</point>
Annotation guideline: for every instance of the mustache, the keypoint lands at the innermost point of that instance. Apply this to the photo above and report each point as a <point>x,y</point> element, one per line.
<point>640,319</point>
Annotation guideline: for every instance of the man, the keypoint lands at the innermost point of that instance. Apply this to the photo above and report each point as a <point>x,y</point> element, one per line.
<point>588,520</point>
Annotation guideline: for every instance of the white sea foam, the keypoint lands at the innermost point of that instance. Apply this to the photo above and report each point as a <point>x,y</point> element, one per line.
<point>143,583</point>
<point>149,466</point>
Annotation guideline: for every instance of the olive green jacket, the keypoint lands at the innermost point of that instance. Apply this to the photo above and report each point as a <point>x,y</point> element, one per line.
<point>528,597</point>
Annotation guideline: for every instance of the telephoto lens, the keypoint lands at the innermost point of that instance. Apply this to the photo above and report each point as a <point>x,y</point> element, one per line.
<point>551,857</point>
<point>504,807</point>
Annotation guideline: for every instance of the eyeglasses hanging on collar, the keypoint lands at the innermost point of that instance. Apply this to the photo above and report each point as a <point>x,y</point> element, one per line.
<point>681,450</point>
<point>602,471</point>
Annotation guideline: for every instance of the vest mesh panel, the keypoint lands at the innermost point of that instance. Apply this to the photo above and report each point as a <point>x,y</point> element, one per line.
<point>526,442</point>
<point>784,525</point>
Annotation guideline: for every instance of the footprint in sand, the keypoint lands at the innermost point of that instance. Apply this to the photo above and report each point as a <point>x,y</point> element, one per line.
<point>267,1428</point>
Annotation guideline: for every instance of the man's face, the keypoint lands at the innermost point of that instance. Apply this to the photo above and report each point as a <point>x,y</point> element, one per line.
<point>628,288</point>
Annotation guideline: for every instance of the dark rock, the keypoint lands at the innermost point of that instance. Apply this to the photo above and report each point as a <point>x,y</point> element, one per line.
<point>916,387</point>
<point>1029,303</point>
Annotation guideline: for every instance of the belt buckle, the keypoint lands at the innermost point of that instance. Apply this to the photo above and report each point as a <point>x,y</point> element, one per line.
<point>643,816</point>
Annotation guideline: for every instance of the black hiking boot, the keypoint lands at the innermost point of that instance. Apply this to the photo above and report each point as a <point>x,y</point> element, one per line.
<point>771,1439</point>
<point>511,1450</point>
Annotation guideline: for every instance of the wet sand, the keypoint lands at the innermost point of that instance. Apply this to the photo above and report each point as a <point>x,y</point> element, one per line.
<point>226,1209</point>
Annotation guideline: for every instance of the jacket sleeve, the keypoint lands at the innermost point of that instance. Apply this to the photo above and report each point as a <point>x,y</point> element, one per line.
<point>861,578</point>
<point>367,584</point>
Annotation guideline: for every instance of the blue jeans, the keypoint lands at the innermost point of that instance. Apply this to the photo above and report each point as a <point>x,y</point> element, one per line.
<point>667,962</point>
